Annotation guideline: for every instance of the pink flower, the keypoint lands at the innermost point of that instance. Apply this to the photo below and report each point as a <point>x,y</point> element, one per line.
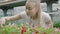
<point>32,32</point>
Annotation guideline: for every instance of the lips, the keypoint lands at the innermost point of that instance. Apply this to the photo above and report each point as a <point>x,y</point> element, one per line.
<point>29,14</point>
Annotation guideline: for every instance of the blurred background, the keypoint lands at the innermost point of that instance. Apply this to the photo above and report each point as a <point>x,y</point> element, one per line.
<point>10,8</point>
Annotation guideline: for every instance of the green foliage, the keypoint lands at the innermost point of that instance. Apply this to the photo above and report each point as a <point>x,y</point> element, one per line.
<point>56,24</point>
<point>58,33</point>
<point>7,29</point>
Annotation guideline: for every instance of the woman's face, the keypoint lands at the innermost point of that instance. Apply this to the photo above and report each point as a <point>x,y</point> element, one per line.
<point>31,9</point>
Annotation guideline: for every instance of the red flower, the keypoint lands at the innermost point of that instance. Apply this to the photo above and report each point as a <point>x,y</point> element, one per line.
<point>2,32</point>
<point>36,31</point>
<point>13,32</point>
<point>23,30</point>
<point>43,33</point>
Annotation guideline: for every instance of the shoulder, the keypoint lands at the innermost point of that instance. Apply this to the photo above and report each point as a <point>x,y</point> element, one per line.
<point>46,16</point>
<point>23,12</point>
<point>23,15</point>
<point>44,13</point>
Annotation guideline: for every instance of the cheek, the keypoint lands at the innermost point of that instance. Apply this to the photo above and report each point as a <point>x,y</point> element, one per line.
<point>27,12</point>
<point>34,11</point>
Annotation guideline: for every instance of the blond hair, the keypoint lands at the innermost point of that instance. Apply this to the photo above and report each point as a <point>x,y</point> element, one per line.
<point>37,2</point>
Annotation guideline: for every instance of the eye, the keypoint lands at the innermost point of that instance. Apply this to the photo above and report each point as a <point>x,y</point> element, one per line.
<point>29,8</point>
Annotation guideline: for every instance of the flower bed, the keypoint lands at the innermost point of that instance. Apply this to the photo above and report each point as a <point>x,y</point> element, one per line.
<point>25,29</point>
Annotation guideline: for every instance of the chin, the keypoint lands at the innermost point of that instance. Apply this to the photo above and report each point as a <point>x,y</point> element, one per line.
<point>30,15</point>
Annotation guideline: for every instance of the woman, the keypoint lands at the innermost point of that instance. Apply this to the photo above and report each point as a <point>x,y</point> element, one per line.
<point>34,14</point>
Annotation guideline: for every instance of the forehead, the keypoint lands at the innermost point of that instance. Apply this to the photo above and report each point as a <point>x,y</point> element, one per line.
<point>30,4</point>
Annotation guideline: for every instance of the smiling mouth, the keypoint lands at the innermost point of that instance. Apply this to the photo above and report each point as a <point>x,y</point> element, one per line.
<point>29,14</point>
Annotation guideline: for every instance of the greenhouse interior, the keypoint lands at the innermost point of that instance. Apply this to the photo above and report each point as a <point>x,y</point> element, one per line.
<point>12,10</point>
